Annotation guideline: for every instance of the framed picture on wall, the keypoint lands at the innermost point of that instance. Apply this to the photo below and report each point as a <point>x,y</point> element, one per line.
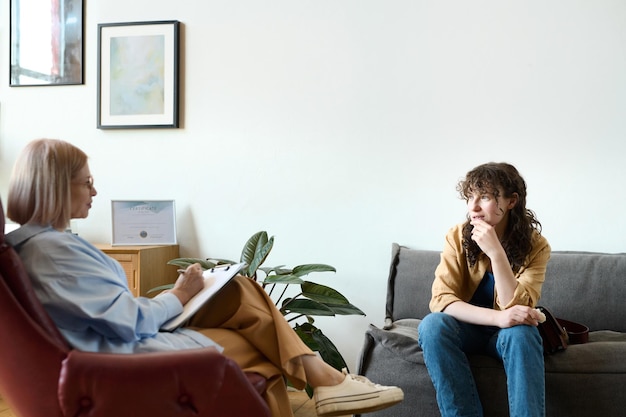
<point>46,42</point>
<point>138,75</point>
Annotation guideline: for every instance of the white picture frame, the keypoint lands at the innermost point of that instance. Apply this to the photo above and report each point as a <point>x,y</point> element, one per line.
<point>143,222</point>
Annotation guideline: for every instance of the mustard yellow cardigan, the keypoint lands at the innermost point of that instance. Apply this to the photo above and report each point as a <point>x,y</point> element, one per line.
<point>455,280</point>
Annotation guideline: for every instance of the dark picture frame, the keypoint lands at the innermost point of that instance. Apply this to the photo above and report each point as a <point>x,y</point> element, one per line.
<point>47,43</point>
<point>138,64</point>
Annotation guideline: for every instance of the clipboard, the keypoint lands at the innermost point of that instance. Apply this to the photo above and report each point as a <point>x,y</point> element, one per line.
<point>214,280</point>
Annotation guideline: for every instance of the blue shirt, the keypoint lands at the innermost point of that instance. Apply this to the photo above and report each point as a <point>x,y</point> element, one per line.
<point>86,294</point>
<point>484,295</point>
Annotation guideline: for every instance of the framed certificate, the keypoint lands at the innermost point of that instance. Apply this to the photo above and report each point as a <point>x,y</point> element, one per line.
<point>143,222</point>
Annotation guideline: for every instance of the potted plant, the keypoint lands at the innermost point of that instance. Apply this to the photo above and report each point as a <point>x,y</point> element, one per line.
<point>311,300</point>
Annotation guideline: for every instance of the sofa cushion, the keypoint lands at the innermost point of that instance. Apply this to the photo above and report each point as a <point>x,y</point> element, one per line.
<point>587,287</point>
<point>603,353</point>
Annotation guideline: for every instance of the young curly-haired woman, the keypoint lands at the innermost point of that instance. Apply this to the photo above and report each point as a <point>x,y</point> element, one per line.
<point>485,289</point>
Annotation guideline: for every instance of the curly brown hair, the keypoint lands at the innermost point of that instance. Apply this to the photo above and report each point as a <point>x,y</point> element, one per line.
<point>499,178</point>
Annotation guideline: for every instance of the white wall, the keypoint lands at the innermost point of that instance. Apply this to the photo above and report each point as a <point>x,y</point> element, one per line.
<point>342,126</point>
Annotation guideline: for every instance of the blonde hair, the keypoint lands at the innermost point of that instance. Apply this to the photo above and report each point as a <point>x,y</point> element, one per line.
<point>40,185</point>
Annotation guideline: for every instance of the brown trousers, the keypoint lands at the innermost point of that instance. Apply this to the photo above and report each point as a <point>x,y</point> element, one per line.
<point>243,319</point>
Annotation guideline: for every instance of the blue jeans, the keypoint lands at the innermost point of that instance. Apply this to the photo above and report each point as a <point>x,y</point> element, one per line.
<point>446,341</point>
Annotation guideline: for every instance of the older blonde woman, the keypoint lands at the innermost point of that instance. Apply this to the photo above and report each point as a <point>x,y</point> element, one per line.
<point>86,294</point>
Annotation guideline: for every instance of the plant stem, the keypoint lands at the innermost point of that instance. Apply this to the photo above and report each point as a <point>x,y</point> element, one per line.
<point>295,318</point>
<point>282,294</point>
<point>271,289</point>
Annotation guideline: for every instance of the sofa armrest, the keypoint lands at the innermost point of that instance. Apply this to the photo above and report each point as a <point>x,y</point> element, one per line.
<point>198,382</point>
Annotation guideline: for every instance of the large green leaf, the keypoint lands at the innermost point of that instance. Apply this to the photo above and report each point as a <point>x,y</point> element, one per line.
<point>221,261</point>
<point>302,270</point>
<point>306,337</point>
<point>278,270</point>
<point>280,275</point>
<point>185,262</point>
<point>345,309</point>
<point>322,293</point>
<point>308,340</point>
<point>328,351</point>
<point>283,279</point>
<point>160,288</point>
<point>255,251</point>
<point>306,307</point>
<point>249,249</point>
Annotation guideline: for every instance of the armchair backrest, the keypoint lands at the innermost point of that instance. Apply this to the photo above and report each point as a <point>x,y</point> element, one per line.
<point>32,348</point>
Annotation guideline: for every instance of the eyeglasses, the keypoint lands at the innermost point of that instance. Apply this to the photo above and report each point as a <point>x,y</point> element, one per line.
<point>88,183</point>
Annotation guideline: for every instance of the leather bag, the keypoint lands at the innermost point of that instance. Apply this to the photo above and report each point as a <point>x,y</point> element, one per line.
<point>557,333</point>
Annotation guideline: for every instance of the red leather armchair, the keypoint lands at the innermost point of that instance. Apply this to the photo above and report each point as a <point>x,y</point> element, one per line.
<point>41,376</point>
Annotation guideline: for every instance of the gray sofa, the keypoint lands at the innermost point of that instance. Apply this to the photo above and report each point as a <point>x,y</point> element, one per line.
<point>584,380</point>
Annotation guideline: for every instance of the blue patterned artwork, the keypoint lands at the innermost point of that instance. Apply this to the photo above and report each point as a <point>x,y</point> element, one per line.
<point>137,75</point>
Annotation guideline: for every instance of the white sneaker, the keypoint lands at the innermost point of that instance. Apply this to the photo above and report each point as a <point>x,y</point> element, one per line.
<point>355,395</point>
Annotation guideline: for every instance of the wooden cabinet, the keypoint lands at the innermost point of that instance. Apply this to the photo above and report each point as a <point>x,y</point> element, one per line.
<point>145,266</point>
